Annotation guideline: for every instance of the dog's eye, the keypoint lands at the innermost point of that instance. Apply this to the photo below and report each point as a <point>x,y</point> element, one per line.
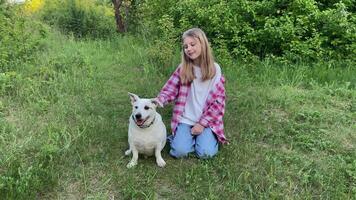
<point>146,107</point>
<point>136,107</point>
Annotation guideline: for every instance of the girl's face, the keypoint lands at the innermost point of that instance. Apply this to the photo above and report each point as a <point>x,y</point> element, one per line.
<point>192,48</point>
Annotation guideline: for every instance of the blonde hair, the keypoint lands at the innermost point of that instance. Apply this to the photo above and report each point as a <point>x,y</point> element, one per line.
<point>206,58</point>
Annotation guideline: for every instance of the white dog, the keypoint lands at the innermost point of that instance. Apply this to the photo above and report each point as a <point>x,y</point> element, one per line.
<point>147,132</point>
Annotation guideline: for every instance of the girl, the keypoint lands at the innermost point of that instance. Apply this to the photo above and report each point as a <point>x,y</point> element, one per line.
<point>197,88</point>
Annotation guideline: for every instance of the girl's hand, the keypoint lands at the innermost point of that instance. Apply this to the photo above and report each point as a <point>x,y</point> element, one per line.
<point>156,102</point>
<point>197,129</point>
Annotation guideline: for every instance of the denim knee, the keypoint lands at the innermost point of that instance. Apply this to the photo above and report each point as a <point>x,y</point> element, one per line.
<point>206,144</point>
<point>179,152</point>
<point>206,153</point>
<point>182,142</point>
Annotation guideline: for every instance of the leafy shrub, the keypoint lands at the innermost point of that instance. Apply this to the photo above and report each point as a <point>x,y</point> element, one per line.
<point>295,30</point>
<point>79,17</point>
<point>338,26</point>
<point>19,37</point>
<point>33,6</point>
<point>161,51</point>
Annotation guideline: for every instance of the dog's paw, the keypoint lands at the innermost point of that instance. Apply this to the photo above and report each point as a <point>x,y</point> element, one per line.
<point>127,152</point>
<point>161,162</point>
<point>131,164</point>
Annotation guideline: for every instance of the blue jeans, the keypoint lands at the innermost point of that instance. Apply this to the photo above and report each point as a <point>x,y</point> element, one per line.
<point>205,145</point>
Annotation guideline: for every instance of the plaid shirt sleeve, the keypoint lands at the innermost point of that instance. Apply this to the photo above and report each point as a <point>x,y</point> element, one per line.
<point>215,108</point>
<point>170,90</point>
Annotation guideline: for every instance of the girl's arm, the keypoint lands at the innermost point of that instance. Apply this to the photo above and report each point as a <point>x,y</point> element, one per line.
<point>216,108</point>
<point>169,92</point>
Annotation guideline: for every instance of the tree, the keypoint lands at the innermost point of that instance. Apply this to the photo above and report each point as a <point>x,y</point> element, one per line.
<point>118,16</point>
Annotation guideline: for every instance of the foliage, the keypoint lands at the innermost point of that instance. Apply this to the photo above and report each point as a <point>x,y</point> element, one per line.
<point>296,30</point>
<point>20,38</point>
<point>162,50</point>
<point>33,6</point>
<point>81,18</point>
<point>292,31</point>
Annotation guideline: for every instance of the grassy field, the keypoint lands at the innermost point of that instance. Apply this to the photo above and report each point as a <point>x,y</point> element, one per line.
<point>64,120</point>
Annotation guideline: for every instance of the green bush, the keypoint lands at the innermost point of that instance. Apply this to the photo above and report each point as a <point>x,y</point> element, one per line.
<point>161,52</point>
<point>338,26</point>
<point>80,18</point>
<point>294,30</point>
<point>20,38</point>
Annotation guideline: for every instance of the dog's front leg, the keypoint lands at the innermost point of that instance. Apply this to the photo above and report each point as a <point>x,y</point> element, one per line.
<point>133,161</point>
<point>159,160</point>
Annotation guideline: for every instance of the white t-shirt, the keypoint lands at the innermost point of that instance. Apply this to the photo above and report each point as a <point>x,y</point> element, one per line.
<point>197,95</point>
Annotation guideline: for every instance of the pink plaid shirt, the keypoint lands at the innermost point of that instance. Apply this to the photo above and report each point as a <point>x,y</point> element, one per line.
<point>213,110</point>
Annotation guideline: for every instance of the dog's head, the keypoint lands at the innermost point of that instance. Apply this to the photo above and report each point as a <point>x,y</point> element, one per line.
<point>143,110</point>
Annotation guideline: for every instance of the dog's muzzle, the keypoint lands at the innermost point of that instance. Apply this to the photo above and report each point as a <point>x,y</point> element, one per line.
<point>141,122</point>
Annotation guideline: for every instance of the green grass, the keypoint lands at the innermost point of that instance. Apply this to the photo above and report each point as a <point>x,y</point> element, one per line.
<point>64,118</point>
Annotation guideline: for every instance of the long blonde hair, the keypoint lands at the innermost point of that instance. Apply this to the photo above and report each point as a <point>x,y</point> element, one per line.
<point>206,58</point>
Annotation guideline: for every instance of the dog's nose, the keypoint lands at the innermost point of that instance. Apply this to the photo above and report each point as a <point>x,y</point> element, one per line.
<point>138,116</point>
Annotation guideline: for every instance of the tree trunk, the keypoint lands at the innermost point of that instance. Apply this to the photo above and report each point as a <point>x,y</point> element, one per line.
<point>119,22</point>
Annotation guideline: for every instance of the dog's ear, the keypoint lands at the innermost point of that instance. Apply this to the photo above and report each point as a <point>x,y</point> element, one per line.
<point>156,102</point>
<point>133,97</point>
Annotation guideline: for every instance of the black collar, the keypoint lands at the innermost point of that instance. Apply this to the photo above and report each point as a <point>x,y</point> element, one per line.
<point>144,126</point>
